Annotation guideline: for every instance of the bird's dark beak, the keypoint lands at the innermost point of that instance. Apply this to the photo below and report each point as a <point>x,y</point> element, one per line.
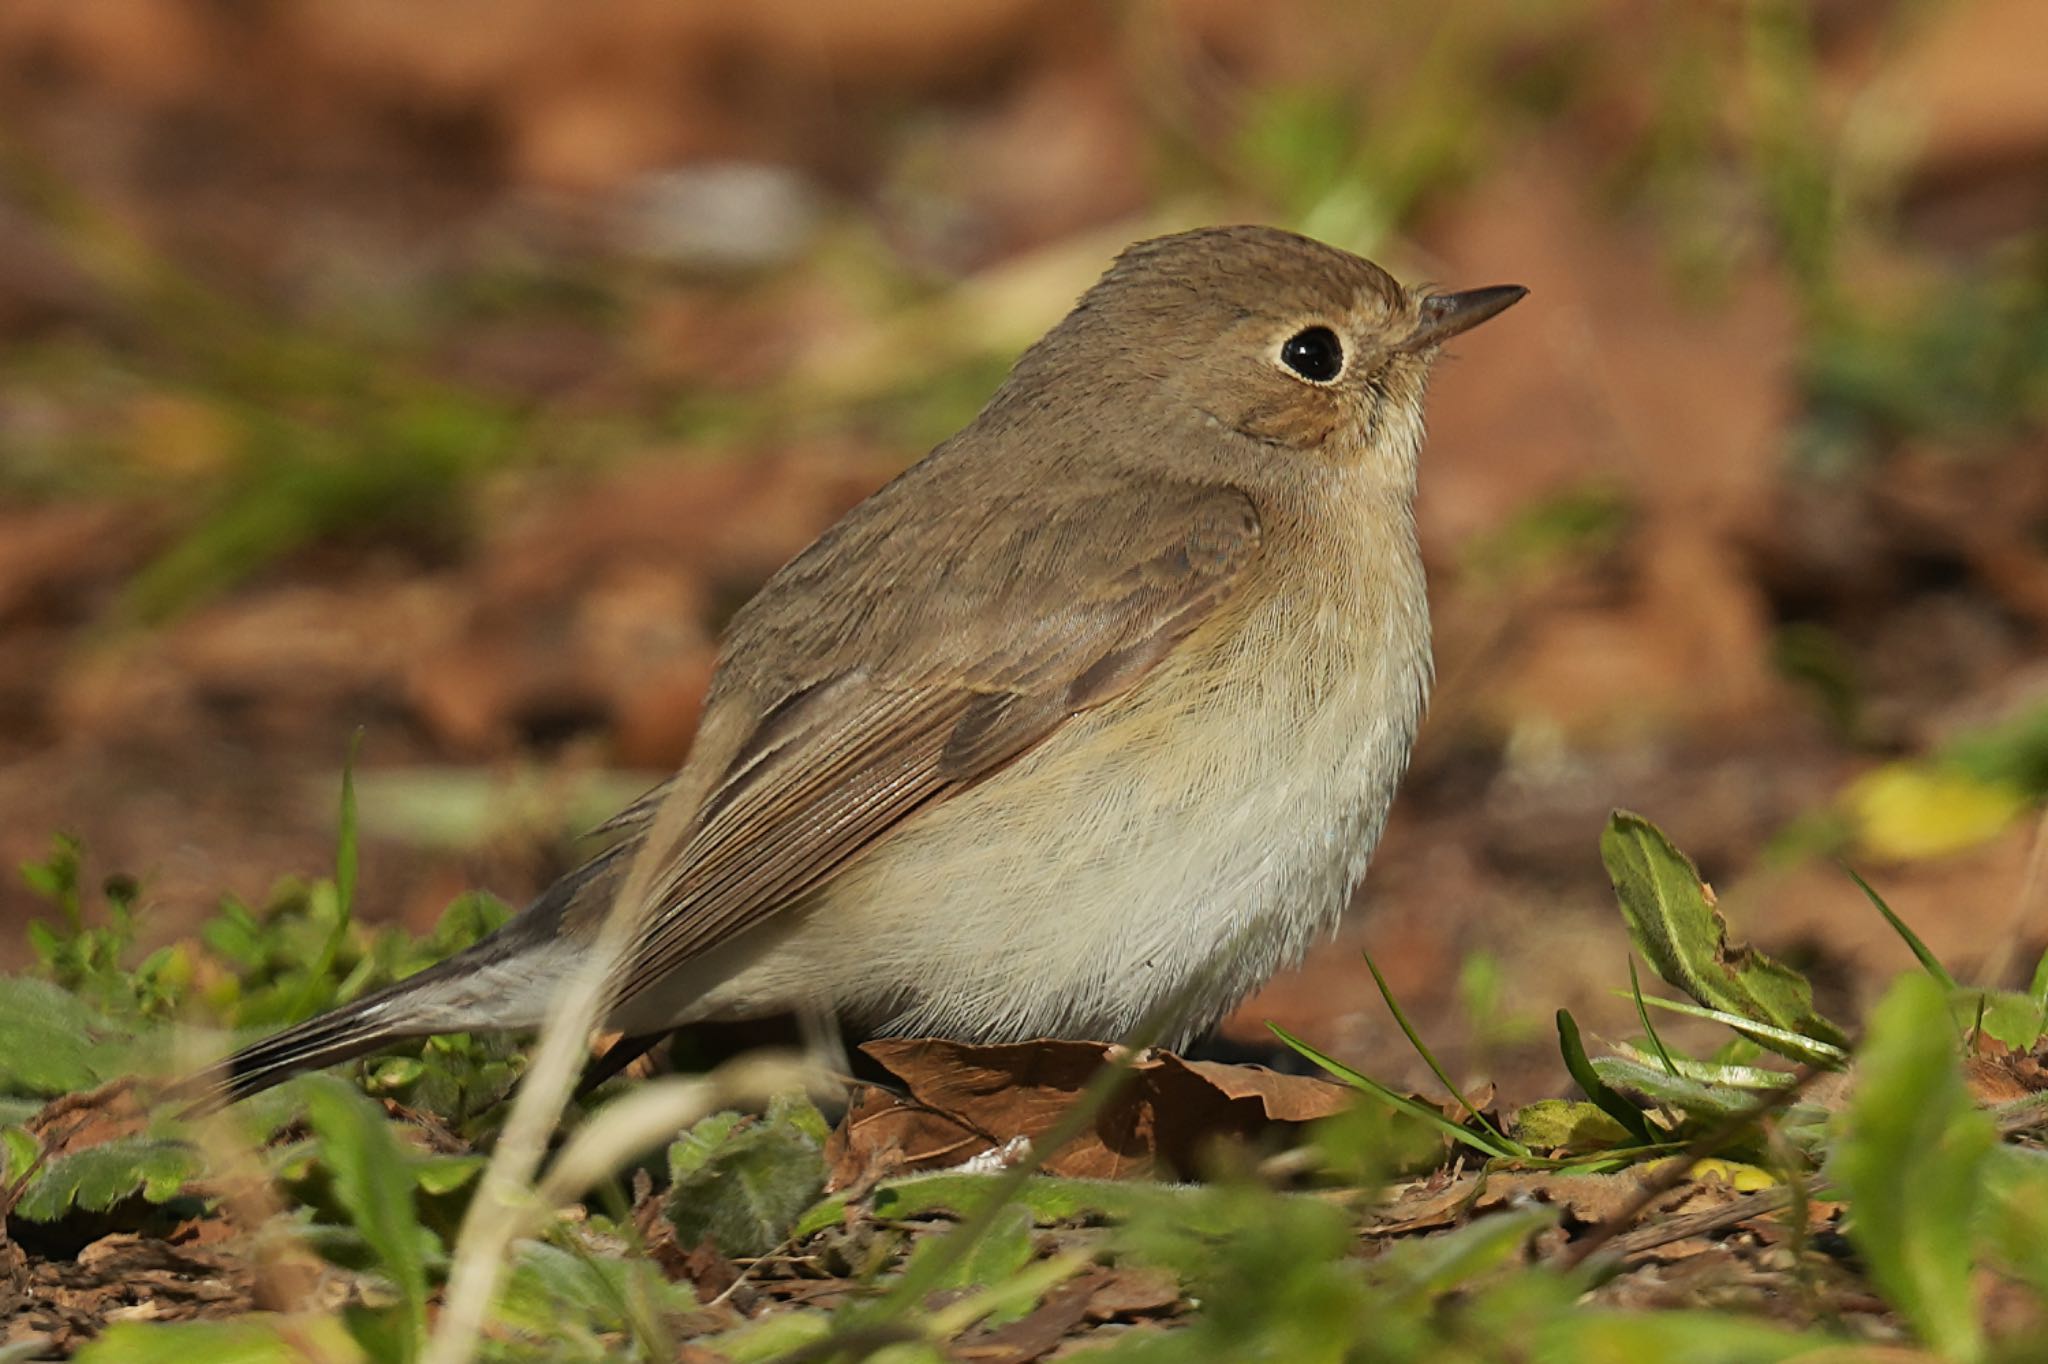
<point>1445,315</point>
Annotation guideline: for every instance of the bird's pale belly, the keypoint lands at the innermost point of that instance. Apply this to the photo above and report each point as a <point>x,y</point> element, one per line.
<point>1176,874</point>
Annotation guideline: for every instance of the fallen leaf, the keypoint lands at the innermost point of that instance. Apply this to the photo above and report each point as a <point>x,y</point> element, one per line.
<point>964,1101</point>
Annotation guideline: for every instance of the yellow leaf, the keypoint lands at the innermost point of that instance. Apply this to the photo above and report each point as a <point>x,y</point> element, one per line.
<point>1904,810</point>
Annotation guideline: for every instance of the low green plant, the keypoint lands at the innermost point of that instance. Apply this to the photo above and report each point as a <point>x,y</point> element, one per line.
<point>1932,1200</point>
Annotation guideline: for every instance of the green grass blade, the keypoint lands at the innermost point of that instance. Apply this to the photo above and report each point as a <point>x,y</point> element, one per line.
<point>1429,1059</point>
<point>1912,1159</point>
<point>345,847</point>
<point>1930,962</point>
<point>345,862</point>
<point>1478,1141</point>
<point>1612,1104</point>
<point>1635,986</point>
<point>1712,1072</point>
<point>373,1182</point>
<point>1822,1053</point>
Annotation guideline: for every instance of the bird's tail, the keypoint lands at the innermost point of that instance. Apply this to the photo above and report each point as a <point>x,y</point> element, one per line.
<point>369,1024</point>
<point>506,981</point>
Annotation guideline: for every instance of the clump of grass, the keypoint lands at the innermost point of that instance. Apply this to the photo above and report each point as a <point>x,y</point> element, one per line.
<point>1932,1199</point>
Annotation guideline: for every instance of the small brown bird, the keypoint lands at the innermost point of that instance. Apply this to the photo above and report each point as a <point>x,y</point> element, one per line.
<point>1097,707</point>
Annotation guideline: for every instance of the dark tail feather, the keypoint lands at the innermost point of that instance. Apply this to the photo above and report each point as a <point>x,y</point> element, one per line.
<point>621,1053</point>
<point>330,1039</point>
<point>395,1012</point>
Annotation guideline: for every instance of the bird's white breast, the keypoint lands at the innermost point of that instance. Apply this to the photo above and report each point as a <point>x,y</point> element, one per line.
<point>1178,844</point>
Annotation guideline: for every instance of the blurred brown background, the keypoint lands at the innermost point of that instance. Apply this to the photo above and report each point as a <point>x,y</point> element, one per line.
<point>452,370</point>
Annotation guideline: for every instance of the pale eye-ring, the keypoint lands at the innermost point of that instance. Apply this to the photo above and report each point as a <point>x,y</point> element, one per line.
<point>1314,353</point>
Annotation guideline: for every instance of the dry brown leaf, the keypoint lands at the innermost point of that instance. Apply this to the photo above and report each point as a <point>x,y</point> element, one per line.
<point>963,1100</point>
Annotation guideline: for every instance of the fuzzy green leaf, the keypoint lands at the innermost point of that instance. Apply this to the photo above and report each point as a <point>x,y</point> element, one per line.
<point>577,1305</point>
<point>1049,1198</point>
<point>1673,1337</point>
<point>250,1340</point>
<point>2008,1017</point>
<point>1428,1267</point>
<point>688,1153</point>
<point>374,1180</point>
<point>772,1337</point>
<point>1555,1124</point>
<point>1683,937</point>
<point>2014,1226</point>
<point>1688,1096</point>
<point>1911,1158</point>
<point>998,1254</point>
<point>744,1186</point>
<point>48,1039</point>
<point>98,1177</point>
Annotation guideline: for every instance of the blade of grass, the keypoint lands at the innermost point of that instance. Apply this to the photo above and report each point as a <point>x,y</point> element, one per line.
<point>1481,1142</point>
<point>1930,962</point>
<point>1429,1058</point>
<point>1605,1099</point>
<point>345,848</point>
<point>1635,986</point>
<point>1833,1054</point>
<point>345,865</point>
<point>1711,1072</point>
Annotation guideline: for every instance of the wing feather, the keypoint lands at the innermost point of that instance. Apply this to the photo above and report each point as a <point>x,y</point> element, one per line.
<point>840,760</point>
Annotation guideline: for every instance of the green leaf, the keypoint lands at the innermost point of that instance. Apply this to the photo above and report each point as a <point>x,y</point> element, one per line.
<point>1635,990</point>
<point>345,856</point>
<point>1593,1336</point>
<point>1483,1142</point>
<point>1613,1105</point>
<point>1684,939</point>
<point>1911,1158</point>
<point>1713,1072</point>
<point>2006,1015</point>
<point>1688,1096</point>
<point>1049,1198</point>
<point>1780,1040</point>
<point>576,1305</point>
<point>772,1337</point>
<point>1429,1058</point>
<point>48,1040</point>
<point>1427,1267</point>
<point>374,1181</point>
<point>257,1339</point>
<point>18,1148</point>
<point>1928,961</point>
<point>442,1174</point>
<point>744,1185</point>
<point>799,1112</point>
<point>1555,1124</point>
<point>688,1153</point>
<point>98,1177</point>
<point>998,1254</point>
<point>2014,1224</point>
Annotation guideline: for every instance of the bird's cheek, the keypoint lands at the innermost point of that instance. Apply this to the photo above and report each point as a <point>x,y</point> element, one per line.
<point>1301,425</point>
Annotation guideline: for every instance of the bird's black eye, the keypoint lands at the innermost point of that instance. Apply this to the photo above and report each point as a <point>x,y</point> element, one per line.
<point>1314,353</point>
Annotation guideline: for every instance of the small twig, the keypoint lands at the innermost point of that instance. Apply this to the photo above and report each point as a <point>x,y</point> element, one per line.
<point>1663,1233</point>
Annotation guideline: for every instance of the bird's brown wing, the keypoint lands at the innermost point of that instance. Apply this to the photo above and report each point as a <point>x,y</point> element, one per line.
<point>912,716</point>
